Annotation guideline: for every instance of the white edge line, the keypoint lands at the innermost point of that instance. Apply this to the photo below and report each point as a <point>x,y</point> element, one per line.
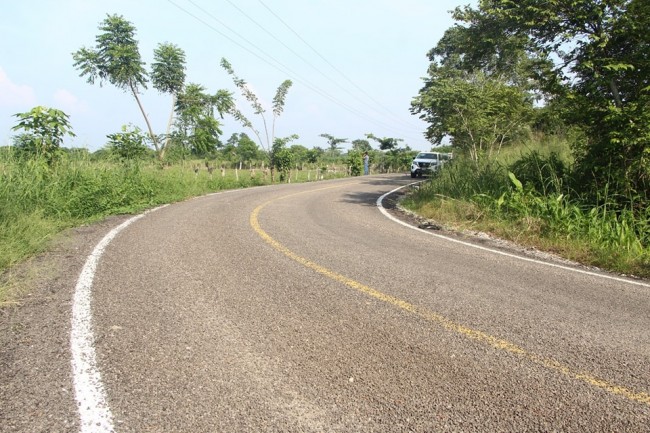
<point>479,247</point>
<point>94,412</point>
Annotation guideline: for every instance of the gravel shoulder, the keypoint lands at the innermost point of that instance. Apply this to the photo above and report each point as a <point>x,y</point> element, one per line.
<point>36,392</point>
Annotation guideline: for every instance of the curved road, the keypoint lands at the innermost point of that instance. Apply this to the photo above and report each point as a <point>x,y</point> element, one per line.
<point>303,308</point>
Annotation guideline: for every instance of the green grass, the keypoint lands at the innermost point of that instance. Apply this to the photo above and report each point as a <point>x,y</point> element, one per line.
<point>37,202</point>
<point>537,208</point>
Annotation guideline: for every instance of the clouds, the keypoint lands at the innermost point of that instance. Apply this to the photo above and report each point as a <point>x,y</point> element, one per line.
<point>66,101</point>
<point>15,96</point>
<point>18,98</point>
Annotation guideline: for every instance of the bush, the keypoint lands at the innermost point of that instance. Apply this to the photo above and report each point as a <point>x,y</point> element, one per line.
<point>532,204</point>
<point>355,162</point>
<point>545,175</point>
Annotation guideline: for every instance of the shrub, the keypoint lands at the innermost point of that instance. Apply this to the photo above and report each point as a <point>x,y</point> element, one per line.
<point>545,175</point>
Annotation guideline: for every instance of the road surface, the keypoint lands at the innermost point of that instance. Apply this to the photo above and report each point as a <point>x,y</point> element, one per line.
<point>305,308</point>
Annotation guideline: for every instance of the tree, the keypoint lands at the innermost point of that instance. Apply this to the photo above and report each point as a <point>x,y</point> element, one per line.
<point>247,149</point>
<point>300,153</point>
<point>197,127</point>
<point>128,145</point>
<point>168,76</point>
<point>116,59</point>
<point>361,146</point>
<point>386,143</point>
<point>581,33</point>
<point>333,143</point>
<point>241,148</point>
<point>479,113</point>
<point>45,129</point>
<point>205,137</point>
<point>485,46</point>
<point>282,158</point>
<point>355,162</point>
<point>601,71</point>
<point>278,107</point>
<point>314,155</point>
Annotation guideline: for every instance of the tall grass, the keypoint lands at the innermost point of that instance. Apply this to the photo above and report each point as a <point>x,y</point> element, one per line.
<point>529,200</point>
<point>38,201</point>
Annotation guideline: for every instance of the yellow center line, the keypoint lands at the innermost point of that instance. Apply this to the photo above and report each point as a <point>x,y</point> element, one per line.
<point>476,335</point>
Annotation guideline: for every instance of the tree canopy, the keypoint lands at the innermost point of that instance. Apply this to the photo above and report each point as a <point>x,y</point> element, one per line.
<point>333,143</point>
<point>44,130</point>
<point>585,59</point>
<point>168,76</point>
<point>385,143</point>
<point>251,97</point>
<point>116,59</point>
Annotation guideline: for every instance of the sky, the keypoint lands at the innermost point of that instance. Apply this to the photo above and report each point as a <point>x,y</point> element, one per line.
<point>355,64</point>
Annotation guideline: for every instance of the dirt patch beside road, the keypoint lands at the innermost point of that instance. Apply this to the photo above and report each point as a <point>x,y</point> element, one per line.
<point>36,392</point>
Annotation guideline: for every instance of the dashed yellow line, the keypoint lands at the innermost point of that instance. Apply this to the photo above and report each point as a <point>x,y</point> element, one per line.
<point>476,335</point>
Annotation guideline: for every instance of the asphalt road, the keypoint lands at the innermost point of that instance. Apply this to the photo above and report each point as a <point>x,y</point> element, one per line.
<point>303,308</point>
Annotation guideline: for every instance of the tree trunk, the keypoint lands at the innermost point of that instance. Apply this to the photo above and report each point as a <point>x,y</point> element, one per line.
<point>146,120</point>
<point>615,93</point>
<point>169,127</point>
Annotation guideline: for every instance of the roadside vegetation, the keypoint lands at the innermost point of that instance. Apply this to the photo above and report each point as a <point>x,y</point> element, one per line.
<point>527,198</point>
<point>547,106</point>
